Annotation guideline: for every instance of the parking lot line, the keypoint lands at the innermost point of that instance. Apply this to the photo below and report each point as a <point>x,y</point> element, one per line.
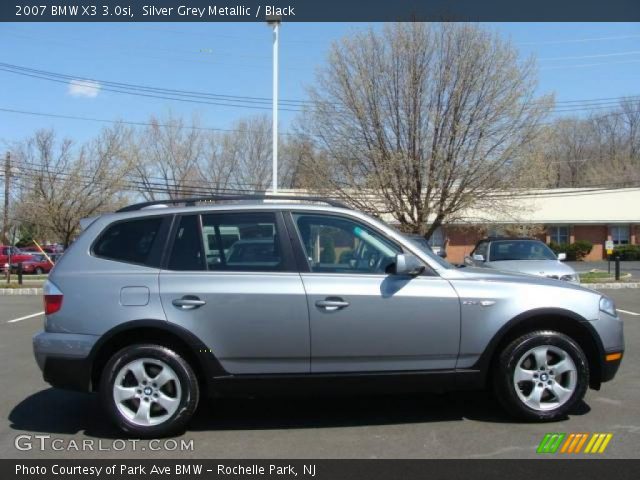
<point>26,317</point>
<point>629,313</point>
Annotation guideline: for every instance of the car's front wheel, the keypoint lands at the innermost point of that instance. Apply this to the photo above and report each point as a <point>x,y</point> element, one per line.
<point>541,375</point>
<point>149,390</point>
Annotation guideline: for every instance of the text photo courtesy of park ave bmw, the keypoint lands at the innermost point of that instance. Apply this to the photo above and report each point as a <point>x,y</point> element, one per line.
<point>305,239</point>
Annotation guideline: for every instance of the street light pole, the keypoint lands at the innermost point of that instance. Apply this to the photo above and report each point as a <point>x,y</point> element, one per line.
<point>275,22</point>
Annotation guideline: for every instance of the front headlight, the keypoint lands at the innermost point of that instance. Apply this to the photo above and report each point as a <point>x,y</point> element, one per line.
<point>608,306</point>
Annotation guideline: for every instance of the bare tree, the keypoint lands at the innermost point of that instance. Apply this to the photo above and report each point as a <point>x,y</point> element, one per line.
<point>429,118</point>
<point>167,157</point>
<point>602,149</point>
<point>240,159</point>
<point>60,185</point>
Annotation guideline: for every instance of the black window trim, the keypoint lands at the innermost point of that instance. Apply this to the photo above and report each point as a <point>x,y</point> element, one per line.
<point>303,262</point>
<point>288,261</point>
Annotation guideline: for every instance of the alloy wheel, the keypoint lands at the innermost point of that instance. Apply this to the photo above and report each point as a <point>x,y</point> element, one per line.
<point>545,377</point>
<point>147,391</point>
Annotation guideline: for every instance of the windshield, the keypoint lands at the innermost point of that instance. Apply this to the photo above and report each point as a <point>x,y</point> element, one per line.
<point>520,250</point>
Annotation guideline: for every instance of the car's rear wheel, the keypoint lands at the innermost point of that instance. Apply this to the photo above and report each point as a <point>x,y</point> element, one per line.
<point>541,375</point>
<point>39,271</point>
<point>149,390</point>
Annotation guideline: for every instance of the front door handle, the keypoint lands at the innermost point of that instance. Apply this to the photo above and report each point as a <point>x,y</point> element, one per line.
<point>188,302</point>
<point>331,304</point>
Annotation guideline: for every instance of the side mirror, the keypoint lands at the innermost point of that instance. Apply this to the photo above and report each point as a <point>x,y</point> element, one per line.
<point>478,258</point>
<point>562,257</point>
<point>407,264</point>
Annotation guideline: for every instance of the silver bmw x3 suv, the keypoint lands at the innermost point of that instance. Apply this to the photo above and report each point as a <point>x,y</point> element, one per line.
<point>158,306</point>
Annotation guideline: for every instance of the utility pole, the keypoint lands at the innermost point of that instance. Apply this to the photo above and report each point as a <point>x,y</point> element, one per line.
<point>7,185</point>
<point>274,21</point>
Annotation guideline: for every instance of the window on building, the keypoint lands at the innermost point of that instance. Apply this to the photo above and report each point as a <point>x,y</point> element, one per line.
<point>620,234</point>
<point>559,234</point>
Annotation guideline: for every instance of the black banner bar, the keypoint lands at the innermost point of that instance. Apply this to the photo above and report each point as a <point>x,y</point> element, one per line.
<point>318,10</point>
<point>321,469</point>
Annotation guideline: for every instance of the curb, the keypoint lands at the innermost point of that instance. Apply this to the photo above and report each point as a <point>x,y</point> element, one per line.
<point>20,291</point>
<point>618,285</point>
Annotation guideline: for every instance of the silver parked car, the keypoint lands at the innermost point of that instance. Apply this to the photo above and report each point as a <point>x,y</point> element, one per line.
<point>521,255</point>
<point>154,309</point>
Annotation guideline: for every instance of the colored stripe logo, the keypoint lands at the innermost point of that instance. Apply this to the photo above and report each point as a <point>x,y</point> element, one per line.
<point>574,443</point>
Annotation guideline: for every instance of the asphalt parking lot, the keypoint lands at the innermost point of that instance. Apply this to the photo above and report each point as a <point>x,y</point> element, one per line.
<point>407,426</point>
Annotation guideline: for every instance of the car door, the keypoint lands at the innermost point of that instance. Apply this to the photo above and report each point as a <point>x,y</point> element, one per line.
<point>230,279</point>
<point>362,318</point>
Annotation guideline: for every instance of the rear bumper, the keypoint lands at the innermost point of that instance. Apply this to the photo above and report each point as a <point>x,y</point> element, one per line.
<point>64,359</point>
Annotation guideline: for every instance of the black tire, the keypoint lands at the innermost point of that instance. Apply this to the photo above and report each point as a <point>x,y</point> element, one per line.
<point>188,388</point>
<point>39,271</point>
<point>507,361</point>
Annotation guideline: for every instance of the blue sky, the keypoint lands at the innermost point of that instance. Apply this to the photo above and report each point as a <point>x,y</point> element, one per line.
<point>576,62</point>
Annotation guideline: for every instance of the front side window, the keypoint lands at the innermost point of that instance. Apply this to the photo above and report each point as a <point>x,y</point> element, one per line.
<point>335,244</point>
<point>620,234</point>
<point>129,241</point>
<point>227,242</point>
<point>559,234</point>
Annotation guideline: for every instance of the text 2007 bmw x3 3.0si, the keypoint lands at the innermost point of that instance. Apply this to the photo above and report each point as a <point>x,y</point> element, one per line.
<point>159,306</point>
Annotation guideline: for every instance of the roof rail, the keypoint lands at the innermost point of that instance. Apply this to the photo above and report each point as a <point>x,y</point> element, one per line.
<point>191,201</point>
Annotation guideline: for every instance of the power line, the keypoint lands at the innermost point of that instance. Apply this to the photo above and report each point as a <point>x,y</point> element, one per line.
<point>168,91</point>
<point>260,103</point>
<point>580,40</point>
<point>215,129</point>
<point>129,122</point>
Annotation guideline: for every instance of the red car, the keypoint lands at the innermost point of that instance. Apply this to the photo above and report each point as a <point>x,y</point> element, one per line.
<point>17,256</point>
<point>37,264</point>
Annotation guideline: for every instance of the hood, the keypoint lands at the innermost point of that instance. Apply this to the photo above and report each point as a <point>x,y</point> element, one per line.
<point>542,268</point>
<point>487,274</point>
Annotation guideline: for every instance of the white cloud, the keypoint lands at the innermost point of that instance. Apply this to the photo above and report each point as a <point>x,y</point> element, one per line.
<point>83,88</point>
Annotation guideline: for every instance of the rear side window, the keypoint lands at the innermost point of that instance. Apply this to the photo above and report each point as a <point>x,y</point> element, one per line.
<point>227,242</point>
<point>130,241</point>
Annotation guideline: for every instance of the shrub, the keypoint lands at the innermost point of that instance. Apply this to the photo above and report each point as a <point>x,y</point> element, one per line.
<point>627,252</point>
<point>575,251</point>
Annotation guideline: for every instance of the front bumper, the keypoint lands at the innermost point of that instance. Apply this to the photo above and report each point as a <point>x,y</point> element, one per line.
<point>610,330</point>
<point>609,368</point>
<point>64,359</point>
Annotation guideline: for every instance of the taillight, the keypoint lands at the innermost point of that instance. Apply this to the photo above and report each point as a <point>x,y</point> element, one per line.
<point>52,303</point>
<point>52,297</point>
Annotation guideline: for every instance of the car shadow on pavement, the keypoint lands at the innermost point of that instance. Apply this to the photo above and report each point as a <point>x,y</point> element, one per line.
<point>61,412</point>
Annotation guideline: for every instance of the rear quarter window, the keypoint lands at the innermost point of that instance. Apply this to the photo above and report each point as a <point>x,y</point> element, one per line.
<point>129,241</point>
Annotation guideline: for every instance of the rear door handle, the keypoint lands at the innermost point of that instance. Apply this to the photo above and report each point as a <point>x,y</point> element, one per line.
<point>331,304</point>
<point>188,302</point>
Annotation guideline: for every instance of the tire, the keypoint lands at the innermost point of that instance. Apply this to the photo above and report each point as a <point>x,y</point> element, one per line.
<point>543,392</point>
<point>160,407</point>
<point>39,271</point>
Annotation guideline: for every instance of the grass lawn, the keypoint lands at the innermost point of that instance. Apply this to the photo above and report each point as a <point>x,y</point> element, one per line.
<point>598,276</point>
